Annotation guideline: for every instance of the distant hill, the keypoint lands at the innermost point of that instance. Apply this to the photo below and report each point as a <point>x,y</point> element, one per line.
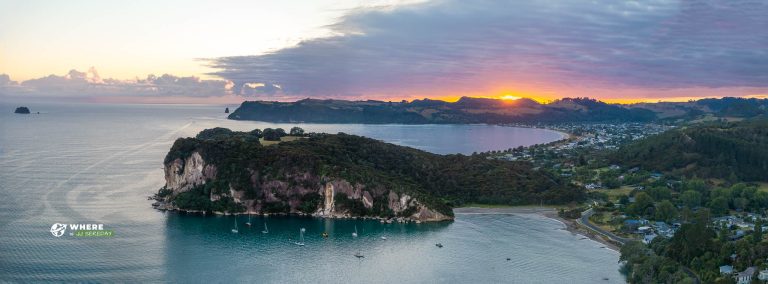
<point>727,107</point>
<point>716,150</point>
<point>465,110</point>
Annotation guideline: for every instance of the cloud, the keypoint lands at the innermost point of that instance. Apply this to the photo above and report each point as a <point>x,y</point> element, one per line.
<point>465,46</point>
<point>90,84</point>
<point>5,80</point>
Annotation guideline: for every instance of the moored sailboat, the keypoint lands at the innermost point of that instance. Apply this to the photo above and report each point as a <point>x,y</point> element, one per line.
<point>301,237</point>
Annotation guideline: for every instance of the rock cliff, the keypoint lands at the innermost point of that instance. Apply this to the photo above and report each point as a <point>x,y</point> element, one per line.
<point>299,193</point>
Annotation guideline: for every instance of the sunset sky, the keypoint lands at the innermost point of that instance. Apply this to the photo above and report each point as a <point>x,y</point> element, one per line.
<point>230,51</point>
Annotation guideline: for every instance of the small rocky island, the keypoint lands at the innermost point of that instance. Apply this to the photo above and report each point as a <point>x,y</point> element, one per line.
<point>340,175</point>
<point>22,110</point>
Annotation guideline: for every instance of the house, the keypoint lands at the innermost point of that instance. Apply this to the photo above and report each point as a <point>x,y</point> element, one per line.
<point>664,229</point>
<point>726,270</point>
<point>648,238</point>
<point>745,277</point>
<point>763,275</point>
<point>644,230</point>
<point>633,224</point>
<point>727,221</point>
<point>593,186</point>
<point>614,167</point>
<point>738,235</point>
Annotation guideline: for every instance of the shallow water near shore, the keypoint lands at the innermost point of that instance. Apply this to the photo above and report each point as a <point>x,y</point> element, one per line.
<point>98,163</point>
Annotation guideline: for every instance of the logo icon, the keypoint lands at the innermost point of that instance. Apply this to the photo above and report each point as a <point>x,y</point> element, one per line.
<point>57,230</point>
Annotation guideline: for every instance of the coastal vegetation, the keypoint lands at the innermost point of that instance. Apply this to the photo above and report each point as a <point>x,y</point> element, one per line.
<point>736,151</point>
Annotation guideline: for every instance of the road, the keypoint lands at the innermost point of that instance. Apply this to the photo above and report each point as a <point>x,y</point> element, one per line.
<point>584,220</point>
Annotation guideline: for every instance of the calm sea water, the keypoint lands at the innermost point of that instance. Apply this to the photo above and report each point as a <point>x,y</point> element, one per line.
<point>98,164</point>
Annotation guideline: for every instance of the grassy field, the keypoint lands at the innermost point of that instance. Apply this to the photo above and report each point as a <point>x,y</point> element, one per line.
<point>762,186</point>
<point>603,220</point>
<point>282,139</point>
<point>615,194</point>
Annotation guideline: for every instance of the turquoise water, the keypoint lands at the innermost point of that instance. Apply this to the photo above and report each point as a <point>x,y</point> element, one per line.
<point>98,163</point>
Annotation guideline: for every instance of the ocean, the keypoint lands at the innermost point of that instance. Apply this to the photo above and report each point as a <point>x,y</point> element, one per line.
<point>98,163</point>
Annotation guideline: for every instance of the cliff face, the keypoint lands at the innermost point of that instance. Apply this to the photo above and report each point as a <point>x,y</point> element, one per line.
<point>296,192</point>
<point>183,174</point>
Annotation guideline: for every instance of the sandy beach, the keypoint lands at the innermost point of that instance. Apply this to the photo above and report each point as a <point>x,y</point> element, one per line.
<point>548,212</point>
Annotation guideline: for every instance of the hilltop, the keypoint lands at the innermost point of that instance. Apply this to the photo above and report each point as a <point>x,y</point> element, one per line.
<point>728,150</point>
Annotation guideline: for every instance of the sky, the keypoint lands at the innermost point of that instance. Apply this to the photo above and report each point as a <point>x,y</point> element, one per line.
<point>177,51</point>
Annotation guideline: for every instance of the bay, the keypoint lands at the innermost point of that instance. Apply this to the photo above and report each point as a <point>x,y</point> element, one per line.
<point>93,163</point>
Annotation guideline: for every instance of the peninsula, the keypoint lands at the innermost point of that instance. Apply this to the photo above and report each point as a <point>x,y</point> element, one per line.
<point>338,175</point>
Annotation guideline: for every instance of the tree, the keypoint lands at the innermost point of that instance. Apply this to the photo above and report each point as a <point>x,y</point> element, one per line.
<point>691,241</point>
<point>297,131</point>
<point>666,211</point>
<point>740,203</point>
<point>696,184</point>
<point>686,214</point>
<point>632,251</point>
<point>719,205</point>
<point>642,202</point>
<point>660,193</point>
<point>270,134</point>
<point>691,198</point>
<point>757,234</point>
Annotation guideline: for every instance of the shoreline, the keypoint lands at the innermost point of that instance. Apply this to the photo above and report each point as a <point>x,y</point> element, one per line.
<point>571,226</point>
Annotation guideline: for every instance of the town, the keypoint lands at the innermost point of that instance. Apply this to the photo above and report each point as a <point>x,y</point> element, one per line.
<point>628,203</point>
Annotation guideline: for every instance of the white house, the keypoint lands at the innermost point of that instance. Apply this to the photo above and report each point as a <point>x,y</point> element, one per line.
<point>745,277</point>
<point>763,275</point>
<point>648,238</point>
<point>726,270</point>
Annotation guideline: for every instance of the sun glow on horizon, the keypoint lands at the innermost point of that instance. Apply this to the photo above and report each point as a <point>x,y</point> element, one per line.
<point>510,98</point>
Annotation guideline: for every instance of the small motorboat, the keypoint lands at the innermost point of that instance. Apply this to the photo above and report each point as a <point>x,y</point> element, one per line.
<point>359,255</point>
<point>325,235</point>
<point>384,238</point>
<point>439,245</point>
<point>354,234</point>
